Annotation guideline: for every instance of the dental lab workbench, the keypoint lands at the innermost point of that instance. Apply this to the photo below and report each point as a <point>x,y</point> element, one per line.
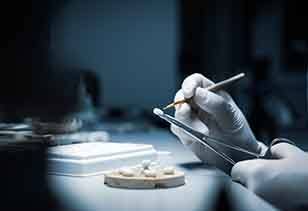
<point>203,185</point>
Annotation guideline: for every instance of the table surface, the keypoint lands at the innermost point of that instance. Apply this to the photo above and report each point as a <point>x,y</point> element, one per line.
<point>206,188</point>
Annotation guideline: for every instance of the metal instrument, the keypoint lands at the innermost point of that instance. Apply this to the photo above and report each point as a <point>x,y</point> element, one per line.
<point>208,141</point>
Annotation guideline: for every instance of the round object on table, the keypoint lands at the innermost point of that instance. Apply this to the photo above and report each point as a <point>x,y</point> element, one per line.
<point>115,179</point>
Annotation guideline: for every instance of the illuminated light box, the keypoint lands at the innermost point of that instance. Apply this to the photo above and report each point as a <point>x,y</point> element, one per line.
<point>87,159</point>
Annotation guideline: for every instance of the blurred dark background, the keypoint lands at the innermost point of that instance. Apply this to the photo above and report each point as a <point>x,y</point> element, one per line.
<point>59,58</point>
<point>265,39</point>
<point>134,55</point>
<point>126,56</point>
<point>107,59</point>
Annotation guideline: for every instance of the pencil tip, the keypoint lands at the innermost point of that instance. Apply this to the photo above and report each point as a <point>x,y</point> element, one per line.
<point>168,106</point>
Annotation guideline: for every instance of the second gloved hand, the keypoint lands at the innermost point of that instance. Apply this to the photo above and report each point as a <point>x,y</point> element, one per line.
<point>216,115</point>
<point>281,181</point>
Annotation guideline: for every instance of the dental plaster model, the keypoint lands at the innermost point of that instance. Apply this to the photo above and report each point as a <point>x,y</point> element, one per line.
<point>145,175</point>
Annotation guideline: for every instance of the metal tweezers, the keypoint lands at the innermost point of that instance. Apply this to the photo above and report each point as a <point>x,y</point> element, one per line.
<point>208,141</point>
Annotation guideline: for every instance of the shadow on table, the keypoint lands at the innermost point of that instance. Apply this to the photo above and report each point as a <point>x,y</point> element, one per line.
<point>23,179</point>
<point>220,198</point>
<point>201,169</point>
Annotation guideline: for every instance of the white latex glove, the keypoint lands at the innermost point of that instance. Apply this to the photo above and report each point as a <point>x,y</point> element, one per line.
<point>283,181</point>
<point>216,115</point>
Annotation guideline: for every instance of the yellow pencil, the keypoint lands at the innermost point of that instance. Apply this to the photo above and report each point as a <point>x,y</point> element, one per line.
<point>214,87</point>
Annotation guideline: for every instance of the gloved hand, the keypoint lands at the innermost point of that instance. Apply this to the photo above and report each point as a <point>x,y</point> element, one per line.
<point>282,182</point>
<point>216,115</point>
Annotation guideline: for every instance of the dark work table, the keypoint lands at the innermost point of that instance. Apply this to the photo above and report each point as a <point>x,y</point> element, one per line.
<point>206,188</point>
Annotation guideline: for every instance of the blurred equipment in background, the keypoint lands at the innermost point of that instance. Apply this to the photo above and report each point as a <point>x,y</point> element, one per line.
<point>93,87</point>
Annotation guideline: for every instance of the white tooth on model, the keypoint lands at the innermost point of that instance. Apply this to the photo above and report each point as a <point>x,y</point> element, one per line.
<point>127,172</point>
<point>169,170</point>
<point>150,173</point>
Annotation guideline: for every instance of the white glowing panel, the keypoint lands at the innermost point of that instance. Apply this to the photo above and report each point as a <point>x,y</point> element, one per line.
<point>87,159</point>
